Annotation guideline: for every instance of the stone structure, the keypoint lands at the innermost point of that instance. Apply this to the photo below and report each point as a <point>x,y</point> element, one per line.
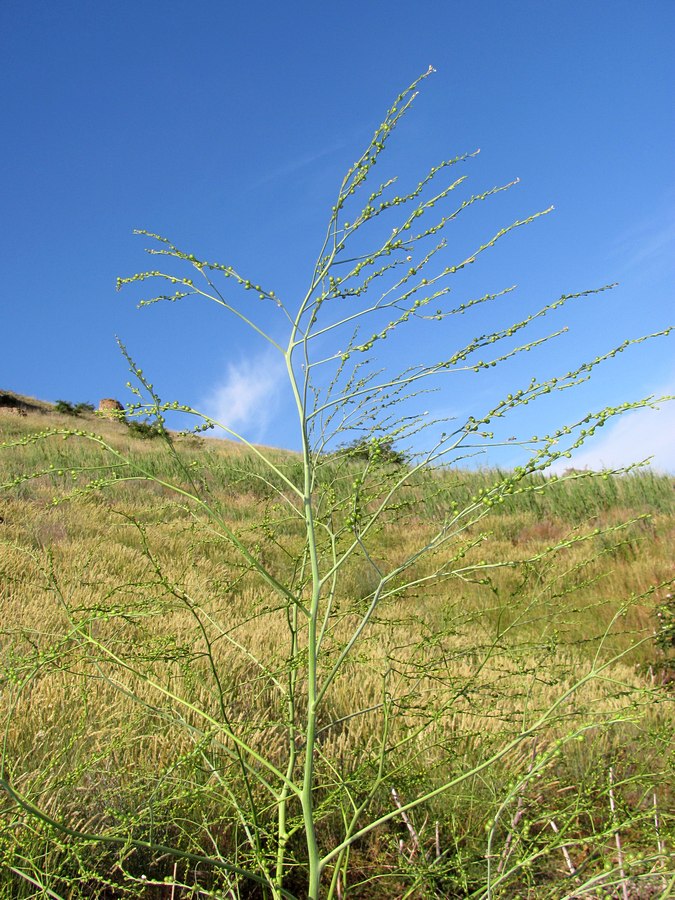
<point>111,407</point>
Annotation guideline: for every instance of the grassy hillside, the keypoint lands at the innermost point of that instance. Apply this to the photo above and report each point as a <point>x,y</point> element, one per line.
<point>129,620</point>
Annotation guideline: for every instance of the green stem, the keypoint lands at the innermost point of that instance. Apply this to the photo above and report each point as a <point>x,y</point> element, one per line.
<point>282,803</point>
<point>307,793</point>
<point>307,796</point>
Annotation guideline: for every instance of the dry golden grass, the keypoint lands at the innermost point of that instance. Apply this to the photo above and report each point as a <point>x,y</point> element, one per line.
<point>119,606</point>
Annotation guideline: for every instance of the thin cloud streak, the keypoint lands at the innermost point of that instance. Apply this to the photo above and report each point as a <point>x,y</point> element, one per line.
<point>295,165</point>
<point>652,242</point>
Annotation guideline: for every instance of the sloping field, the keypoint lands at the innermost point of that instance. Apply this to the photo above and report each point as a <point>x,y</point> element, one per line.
<point>519,674</point>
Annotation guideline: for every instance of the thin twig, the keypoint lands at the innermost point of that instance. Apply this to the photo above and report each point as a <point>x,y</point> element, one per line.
<point>661,847</point>
<point>517,816</point>
<point>565,851</point>
<point>409,825</point>
<point>659,843</point>
<point>617,837</point>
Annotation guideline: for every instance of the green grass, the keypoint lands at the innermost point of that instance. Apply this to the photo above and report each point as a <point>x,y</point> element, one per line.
<point>100,749</point>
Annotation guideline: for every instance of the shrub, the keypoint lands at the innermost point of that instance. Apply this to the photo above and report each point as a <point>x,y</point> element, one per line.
<point>144,430</point>
<point>73,409</point>
<point>375,450</point>
<point>63,406</point>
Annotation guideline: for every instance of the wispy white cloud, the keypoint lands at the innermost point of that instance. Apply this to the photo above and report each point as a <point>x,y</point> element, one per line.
<point>247,397</point>
<point>291,166</point>
<point>647,243</point>
<point>633,437</point>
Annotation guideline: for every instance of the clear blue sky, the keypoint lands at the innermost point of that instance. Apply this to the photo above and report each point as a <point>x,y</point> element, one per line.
<point>227,126</point>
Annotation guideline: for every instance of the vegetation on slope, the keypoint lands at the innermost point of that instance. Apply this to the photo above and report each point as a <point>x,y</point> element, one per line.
<point>94,743</point>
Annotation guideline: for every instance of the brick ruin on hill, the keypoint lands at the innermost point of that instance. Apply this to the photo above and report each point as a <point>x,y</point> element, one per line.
<point>110,407</point>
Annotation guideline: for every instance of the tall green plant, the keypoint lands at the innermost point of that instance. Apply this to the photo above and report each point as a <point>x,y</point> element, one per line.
<point>310,768</point>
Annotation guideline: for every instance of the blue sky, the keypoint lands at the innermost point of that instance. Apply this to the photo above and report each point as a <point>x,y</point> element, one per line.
<point>228,126</point>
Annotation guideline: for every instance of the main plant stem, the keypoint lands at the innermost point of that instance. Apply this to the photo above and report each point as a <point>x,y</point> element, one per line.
<point>307,798</point>
<point>282,804</point>
<point>307,795</point>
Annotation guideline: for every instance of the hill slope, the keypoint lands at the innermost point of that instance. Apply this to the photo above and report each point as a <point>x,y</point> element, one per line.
<point>138,637</point>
